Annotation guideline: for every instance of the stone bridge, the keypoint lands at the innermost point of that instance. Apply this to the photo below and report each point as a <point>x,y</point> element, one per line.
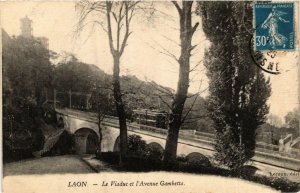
<point>85,128</point>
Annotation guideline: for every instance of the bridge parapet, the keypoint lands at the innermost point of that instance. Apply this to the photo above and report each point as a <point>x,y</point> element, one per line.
<point>187,142</point>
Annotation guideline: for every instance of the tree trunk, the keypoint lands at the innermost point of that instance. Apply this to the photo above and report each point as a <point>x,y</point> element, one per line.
<point>100,119</point>
<point>100,137</point>
<point>120,108</point>
<point>175,118</point>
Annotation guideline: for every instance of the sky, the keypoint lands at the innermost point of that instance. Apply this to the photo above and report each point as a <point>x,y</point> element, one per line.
<point>146,53</point>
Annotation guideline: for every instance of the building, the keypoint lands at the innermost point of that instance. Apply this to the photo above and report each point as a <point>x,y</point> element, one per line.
<point>26,27</point>
<point>27,31</point>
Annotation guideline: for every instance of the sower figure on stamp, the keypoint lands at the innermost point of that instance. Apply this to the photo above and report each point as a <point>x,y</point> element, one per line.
<point>276,39</point>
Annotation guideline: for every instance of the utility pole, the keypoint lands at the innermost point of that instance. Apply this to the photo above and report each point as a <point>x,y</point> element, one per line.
<point>70,99</point>
<point>54,98</point>
<point>88,96</point>
<point>158,102</point>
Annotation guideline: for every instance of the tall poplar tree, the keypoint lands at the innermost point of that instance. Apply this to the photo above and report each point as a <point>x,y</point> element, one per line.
<point>238,88</point>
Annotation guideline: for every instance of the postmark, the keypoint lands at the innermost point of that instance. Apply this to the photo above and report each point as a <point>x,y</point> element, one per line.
<point>274,24</point>
<point>268,62</point>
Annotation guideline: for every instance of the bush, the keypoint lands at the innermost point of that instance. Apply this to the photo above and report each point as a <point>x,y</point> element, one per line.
<point>109,157</point>
<point>154,151</point>
<point>182,158</point>
<point>142,164</point>
<point>281,184</point>
<point>248,170</point>
<point>197,159</point>
<point>136,146</point>
<point>21,132</point>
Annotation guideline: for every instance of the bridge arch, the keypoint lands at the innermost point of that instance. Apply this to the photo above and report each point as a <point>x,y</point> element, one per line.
<point>117,145</point>
<point>86,141</point>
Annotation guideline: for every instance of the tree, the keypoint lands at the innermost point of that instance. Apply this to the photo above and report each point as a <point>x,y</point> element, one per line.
<point>27,73</point>
<point>28,69</point>
<point>274,120</point>
<point>238,89</point>
<point>292,119</point>
<point>101,102</point>
<point>73,76</point>
<point>175,118</point>
<point>118,20</point>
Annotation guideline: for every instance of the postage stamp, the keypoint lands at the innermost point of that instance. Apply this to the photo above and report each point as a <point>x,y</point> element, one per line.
<point>274,23</point>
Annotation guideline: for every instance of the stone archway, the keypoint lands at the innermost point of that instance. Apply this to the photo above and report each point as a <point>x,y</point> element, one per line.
<point>86,141</point>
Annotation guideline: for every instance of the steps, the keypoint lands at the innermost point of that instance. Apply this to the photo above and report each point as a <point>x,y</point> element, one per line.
<point>296,142</point>
<point>50,141</point>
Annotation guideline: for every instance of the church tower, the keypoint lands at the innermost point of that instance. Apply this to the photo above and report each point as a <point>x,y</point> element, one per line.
<point>26,27</point>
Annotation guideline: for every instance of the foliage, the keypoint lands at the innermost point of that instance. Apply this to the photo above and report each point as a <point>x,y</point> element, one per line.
<point>238,89</point>
<point>21,131</point>
<point>26,77</point>
<point>198,117</point>
<point>274,120</point>
<point>27,69</point>
<point>228,153</point>
<point>118,16</point>
<point>197,159</point>
<point>136,146</point>
<point>154,151</point>
<point>141,164</point>
<point>182,158</point>
<point>79,78</point>
<point>73,75</point>
<point>292,119</point>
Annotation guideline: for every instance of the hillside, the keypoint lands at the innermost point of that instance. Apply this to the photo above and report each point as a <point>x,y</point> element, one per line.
<point>137,94</point>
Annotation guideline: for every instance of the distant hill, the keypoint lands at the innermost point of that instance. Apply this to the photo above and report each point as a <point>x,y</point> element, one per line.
<point>137,94</point>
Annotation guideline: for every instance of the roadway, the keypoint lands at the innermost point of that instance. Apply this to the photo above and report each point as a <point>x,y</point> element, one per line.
<point>48,165</point>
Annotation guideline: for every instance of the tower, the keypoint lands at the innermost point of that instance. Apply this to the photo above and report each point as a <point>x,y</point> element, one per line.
<point>26,27</point>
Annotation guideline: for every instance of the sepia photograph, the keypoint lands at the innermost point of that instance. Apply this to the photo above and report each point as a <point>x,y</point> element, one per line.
<point>150,96</point>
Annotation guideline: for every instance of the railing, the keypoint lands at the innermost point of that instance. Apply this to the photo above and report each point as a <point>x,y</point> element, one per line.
<point>189,134</point>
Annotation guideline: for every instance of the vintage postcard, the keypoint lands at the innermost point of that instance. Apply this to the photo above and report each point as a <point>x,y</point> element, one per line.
<point>150,96</point>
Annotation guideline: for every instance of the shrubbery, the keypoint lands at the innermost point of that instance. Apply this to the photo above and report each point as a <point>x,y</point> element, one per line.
<point>197,159</point>
<point>21,131</point>
<point>148,157</point>
<point>138,147</point>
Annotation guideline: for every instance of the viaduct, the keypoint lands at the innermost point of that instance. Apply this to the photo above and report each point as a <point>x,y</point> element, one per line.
<point>85,128</point>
